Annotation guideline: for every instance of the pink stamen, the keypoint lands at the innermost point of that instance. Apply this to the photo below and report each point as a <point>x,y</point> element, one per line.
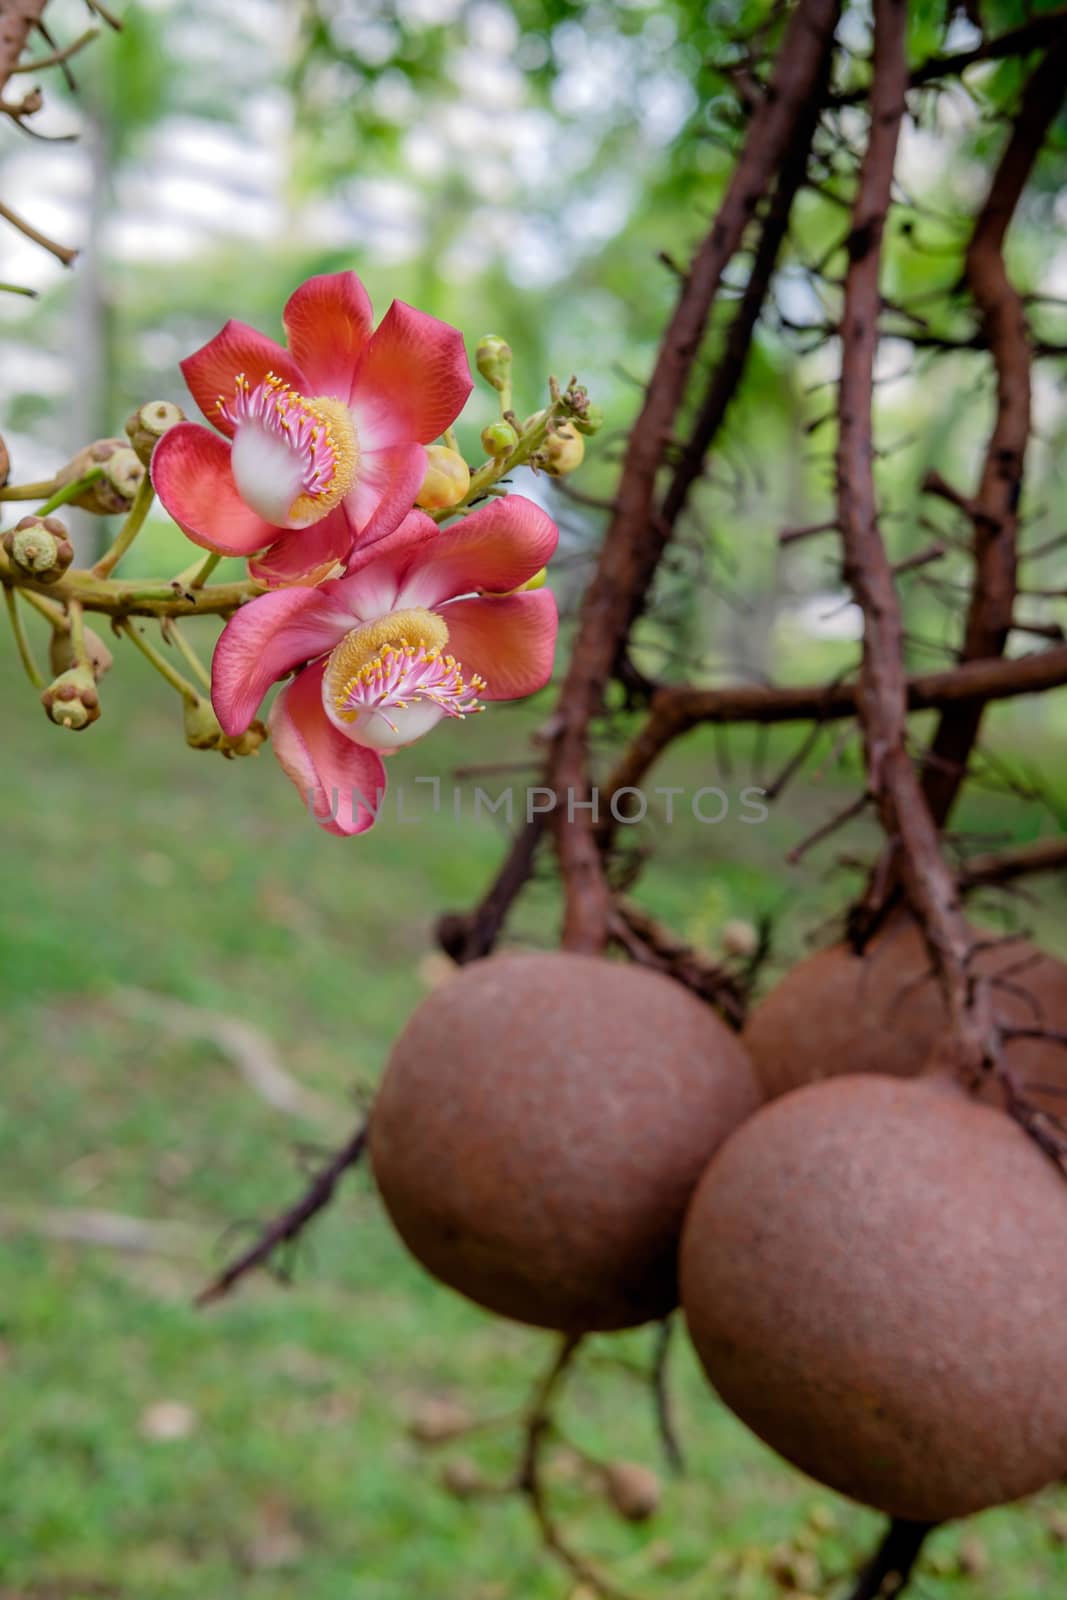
<point>405,674</point>
<point>280,410</point>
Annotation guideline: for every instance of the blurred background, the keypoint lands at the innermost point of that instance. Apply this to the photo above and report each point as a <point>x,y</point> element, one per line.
<point>176,938</point>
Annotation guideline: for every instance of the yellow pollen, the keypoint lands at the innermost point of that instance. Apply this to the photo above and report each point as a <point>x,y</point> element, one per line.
<point>360,652</point>
<point>339,431</point>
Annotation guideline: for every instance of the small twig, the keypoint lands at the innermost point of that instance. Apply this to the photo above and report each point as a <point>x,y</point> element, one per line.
<point>665,1424</point>
<point>57,57</point>
<point>291,1222</point>
<point>530,1482</point>
<point>60,251</point>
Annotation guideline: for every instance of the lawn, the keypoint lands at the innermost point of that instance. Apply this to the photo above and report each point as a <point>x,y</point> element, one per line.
<point>261,1448</point>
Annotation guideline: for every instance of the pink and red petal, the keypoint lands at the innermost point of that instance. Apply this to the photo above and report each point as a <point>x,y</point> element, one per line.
<point>496,548</point>
<point>212,371</point>
<point>193,478</point>
<point>387,482</point>
<point>301,553</point>
<point>264,640</point>
<point>341,783</point>
<point>328,322</point>
<point>413,379</point>
<point>510,641</point>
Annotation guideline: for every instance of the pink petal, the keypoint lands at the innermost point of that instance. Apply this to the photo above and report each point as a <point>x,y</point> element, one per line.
<point>413,379</point>
<point>399,547</point>
<point>264,640</point>
<point>212,370</point>
<point>340,781</point>
<point>496,548</point>
<point>304,551</point>
<point>328,321</point>
<point>510,641</point>
<point>192,475</point>
<point>387,482</point>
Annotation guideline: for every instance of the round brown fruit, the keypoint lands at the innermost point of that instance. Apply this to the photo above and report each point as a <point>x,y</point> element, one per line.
<point>540,1129</point>
<point>837,1012</point>
<point>872,1275</point>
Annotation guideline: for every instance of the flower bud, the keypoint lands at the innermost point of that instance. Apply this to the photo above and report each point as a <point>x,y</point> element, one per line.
<point>591,420</point>
<point>562,451</point>
<point>40,548</point>
<point>202,731</point>
<point>243,744</point>
<point>147,426</point>
<point>113,493</point>
<point>632,1489</point>
<point>493,360</point>
<point>72,701</point>
<point>499,440</point>
<point>61,652</point>
<point>447,479</point>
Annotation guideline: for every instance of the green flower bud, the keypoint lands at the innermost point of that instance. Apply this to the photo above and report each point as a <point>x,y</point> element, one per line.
<point>493,360</point>
<point>562,451</point>
<point>447,479</point>
<point>591,420</point>
<point>61,652</point>
<point>40,548</point>
<point>113,493</point>
<point>147,426</point>
<point>72,701</point>
<point>202,731</point>
<point>499,440</point>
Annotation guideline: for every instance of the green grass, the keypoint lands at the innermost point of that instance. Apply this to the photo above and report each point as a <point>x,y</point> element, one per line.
<point>130,861</point>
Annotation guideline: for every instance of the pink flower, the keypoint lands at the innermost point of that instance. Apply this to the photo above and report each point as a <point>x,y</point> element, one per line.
<point>421,626</point>
<point>320,446</point>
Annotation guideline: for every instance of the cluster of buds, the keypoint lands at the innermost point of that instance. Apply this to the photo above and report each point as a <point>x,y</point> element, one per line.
<point>39,548</point>
<point>114,485</point>
<point>202,732</point>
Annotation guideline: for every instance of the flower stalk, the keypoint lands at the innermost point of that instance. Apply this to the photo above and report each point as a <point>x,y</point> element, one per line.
<point>131,527</point>
<point>22,643</point>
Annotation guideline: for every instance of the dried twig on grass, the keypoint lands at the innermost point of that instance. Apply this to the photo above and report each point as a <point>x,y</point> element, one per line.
<point>242,1043</point>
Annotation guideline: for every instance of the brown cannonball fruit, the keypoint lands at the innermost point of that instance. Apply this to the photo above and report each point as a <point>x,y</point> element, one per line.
<point>540,1129</point>
<point>837,1012</point>
<point>872,1275</point>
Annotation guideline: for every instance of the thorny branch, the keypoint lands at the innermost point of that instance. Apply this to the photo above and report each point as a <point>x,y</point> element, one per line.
<point>285,1228</point>
<point>994,508</point>
<point>636,536</point>
<point>882,693</point>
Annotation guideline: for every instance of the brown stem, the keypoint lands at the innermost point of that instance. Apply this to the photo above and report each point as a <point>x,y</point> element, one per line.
<point>636,536</point>
<point>530,1479</point>
<point>882,691</point>
<point>61,252</point>
<point>468,935</point>
<point>1004,866</point>
<point>994,508</point>
<point>887,1573</point>
<point>291,1222</point>
<point>18,18</point>
<point>676,711</point>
